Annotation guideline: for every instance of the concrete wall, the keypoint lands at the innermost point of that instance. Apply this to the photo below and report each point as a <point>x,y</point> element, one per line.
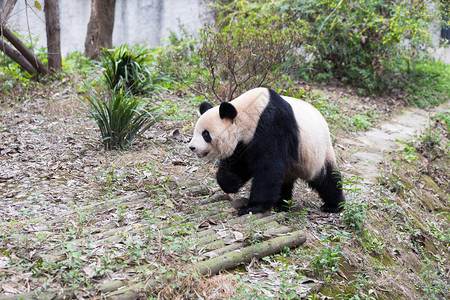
<point>438,51</point>
<point>146,22</point>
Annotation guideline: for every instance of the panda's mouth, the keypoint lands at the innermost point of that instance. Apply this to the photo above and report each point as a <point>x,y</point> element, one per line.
<point>202,155</point>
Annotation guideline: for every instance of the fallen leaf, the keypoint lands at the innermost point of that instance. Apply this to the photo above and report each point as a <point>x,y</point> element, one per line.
<point>9,289</point>
<point>238,236</point>
<point>169,204</point>
<point>342,274</point>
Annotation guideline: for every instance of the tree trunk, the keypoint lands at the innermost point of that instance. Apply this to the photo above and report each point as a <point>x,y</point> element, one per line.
<point>6,10</point>
<point>27,54</point>
<point>51,10</point>
<point>100,27</point>
<point>17,57</point>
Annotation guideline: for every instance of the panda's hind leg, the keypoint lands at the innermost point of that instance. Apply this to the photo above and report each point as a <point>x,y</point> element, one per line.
<point>328,185</point>
<point>285,195</point>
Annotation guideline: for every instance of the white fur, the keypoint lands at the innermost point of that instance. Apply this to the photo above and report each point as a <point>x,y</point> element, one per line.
<point>225,133</point>
<point>315,146</point>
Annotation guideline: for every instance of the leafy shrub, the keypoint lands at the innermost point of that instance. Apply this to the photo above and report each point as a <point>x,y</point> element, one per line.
<point>427,83</point>
<point>327,261</point>
<point>372,44</point>
<point>354,212</point>
<point>126,68</point>
<point>433,142</point>
<point>76,62</point>
<point>375,45</point>
<point>120,116</point>
<point>14,81</point>
<point>251,45</point>
<point>366,42</point>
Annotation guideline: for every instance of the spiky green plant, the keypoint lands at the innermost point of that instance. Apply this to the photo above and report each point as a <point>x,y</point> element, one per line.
<point>120,116</point>
<point>126,67</point>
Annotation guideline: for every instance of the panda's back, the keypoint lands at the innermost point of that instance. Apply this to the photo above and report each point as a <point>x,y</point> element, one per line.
<point>313,137</point>
<point>315,147</point>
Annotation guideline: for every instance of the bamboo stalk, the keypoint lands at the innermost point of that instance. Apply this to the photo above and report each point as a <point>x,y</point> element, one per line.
<point>67,293</point>
<point>222,247</point>
<point>233,259</point>
<point>265,218</point>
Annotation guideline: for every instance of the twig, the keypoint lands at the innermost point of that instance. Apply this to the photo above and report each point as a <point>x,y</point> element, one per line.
<point>326,19</point>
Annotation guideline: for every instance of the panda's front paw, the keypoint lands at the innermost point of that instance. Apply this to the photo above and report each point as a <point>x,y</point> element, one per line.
<point>331,209</point>
<point>230,188</point>
<point>229,183</point>
<point>250,209</point>
<point>243,211</point>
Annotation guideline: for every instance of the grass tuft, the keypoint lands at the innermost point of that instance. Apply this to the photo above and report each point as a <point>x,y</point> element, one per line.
<point>126,68</point>
<point>120,116</point>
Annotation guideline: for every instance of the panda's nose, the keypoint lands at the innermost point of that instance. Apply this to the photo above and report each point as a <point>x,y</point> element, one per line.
<point>192,148</point>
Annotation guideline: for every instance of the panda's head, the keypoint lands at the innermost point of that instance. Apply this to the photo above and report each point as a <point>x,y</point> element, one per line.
<point>215,134</point>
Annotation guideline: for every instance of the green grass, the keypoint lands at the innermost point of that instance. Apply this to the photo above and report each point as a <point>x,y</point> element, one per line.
<point>361,123</point>
<point>77,63</point>
<point>429,84</point>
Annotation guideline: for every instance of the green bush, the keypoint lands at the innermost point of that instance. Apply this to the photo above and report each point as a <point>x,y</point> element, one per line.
<point>120,116</point>
<point>252,44</point>
<point>427,83</point>
<point>126,68</point>
<point>433,142</point>
<point>15,83</point>
<point>327,261</point>
<point>374,45</point>
<point>13,80</point>
<point>366,43</point>
<point>76,63</point>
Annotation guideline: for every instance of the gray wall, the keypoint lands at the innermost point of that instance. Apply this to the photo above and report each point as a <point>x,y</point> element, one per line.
<point>145,22</point>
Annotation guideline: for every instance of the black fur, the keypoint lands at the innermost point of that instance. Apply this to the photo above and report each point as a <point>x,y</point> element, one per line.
<point>204,106</point>
<point>286,194</point>
<point>266,158</point>
<point>328,185</point>
<point>227,111</point>
<point>233,171</point>
<point>206,136</point>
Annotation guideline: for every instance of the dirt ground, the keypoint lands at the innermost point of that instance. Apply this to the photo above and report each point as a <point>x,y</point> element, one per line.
<point>52,165</point>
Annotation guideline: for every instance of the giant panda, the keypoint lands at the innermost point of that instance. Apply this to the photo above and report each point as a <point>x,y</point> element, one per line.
<point>273,139</point>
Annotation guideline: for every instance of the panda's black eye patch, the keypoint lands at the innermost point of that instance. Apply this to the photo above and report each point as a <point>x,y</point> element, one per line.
<point>206,136</point>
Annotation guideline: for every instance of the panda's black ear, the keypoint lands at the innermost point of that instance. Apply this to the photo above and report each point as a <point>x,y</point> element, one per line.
<point>227,111</point>
<point>204,106</point>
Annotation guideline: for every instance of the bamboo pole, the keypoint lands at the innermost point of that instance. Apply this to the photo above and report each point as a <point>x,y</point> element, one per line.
<point>233,259</point>
<point>68,293</point>
<point>221,247</point>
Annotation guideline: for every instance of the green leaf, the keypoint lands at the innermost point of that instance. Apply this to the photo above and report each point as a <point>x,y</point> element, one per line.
<point>38,5</point>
